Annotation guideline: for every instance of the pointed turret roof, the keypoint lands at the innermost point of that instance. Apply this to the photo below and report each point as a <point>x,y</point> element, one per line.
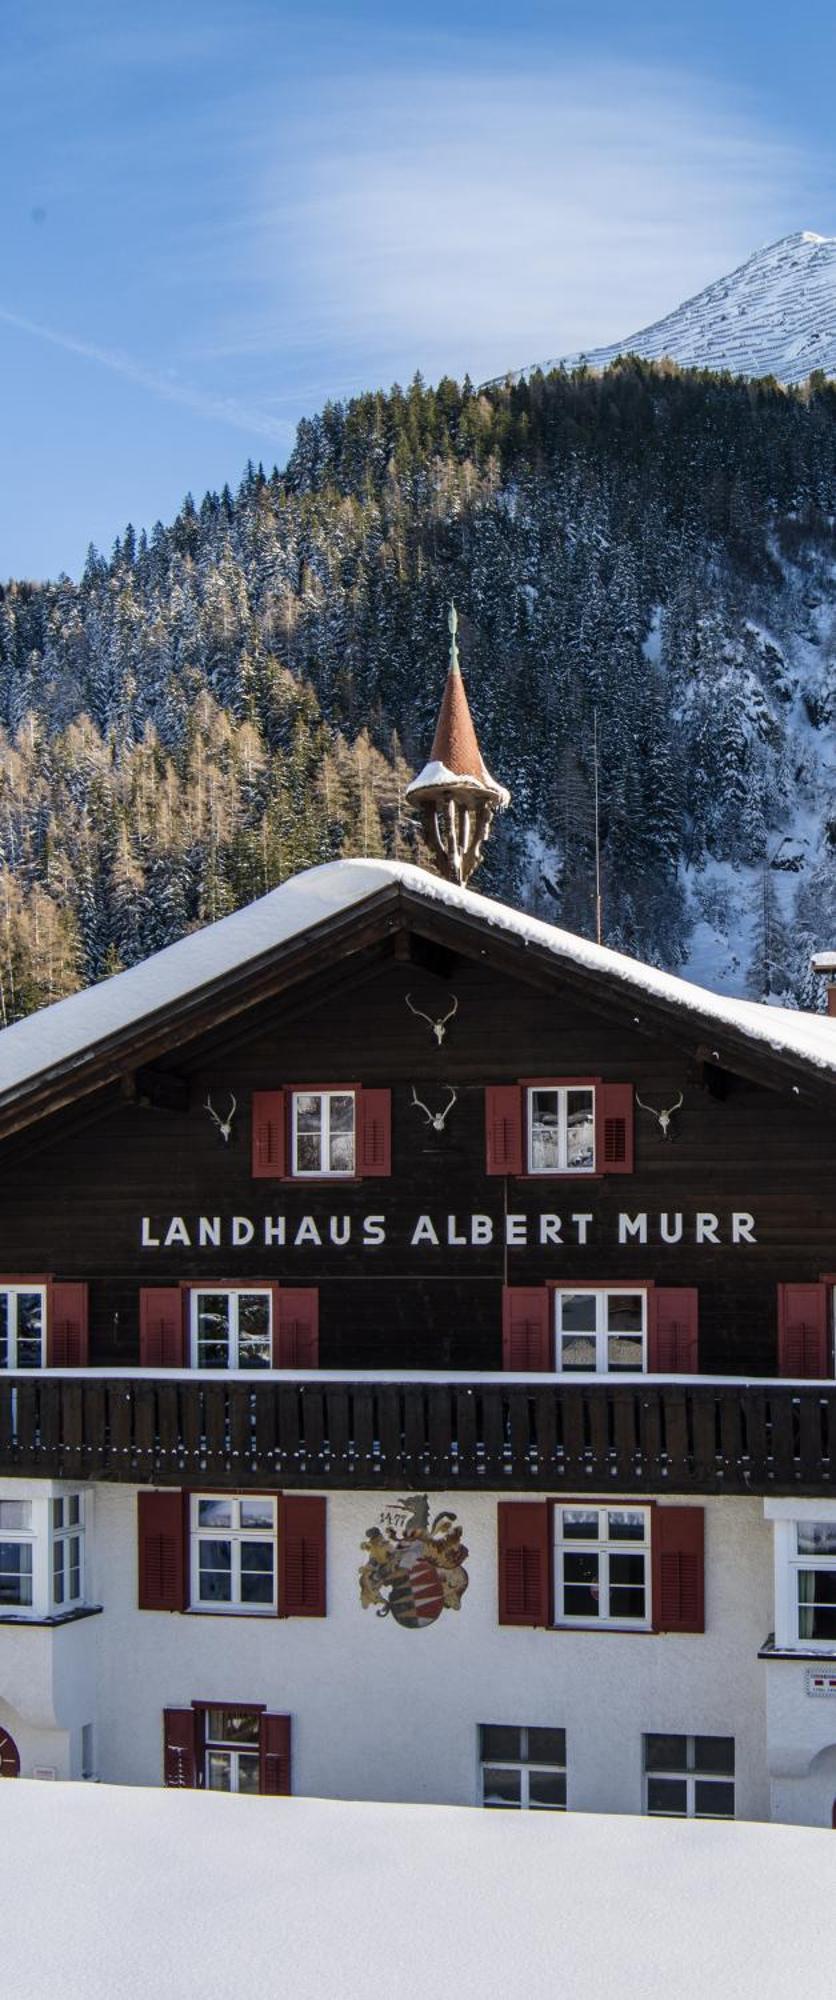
<point>455,758</point>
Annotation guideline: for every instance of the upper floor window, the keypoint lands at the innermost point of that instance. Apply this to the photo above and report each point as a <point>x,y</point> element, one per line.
<point>323,1132</point>
<point>600,1332</point>
<point>232,1329</point>
<point>689,1777</point>
<point>233,1552</point>
<point>602,1566</point>
<point>22,1326</point>
<point>561,1130</point>
<point>42,1553</point>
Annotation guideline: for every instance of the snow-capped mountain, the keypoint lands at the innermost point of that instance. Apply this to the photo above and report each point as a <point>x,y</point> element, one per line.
<point>775,315</point>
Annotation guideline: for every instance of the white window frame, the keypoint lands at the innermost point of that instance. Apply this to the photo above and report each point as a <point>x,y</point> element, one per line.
<point>604,1548</point>
<point>234,1293</point>
<point>687,1775</point>
<point>561,1092</point>
<point>11,1293</point>
<point>236,1535</point>
<point>42,1536</point>
<point>601,1295</point>
<point>233,1750</point>
<point>525,1765</point>
<point>64,1533</point>
<point>324,1173</point>
<point>788,1563</point>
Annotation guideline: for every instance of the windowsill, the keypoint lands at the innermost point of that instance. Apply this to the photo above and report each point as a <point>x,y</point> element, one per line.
<point>235,1611</point>
<point>769,1651</point>
<point>54,1617</point>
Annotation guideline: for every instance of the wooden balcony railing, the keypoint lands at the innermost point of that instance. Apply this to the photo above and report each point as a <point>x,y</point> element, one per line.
<point>683,1436</point>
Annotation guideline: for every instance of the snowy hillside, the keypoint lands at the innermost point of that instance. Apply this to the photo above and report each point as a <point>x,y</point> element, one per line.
<point>194,1896</point>
<point>776,315</point>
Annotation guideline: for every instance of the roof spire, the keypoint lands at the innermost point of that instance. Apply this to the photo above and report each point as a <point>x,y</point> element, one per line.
<point>455,793</point>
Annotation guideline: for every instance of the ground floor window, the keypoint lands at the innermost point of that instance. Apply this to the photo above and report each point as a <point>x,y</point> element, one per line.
<point>67,1551</point>
<point>233,1552</point>
<point>523,1768</point>
<point>689,1777</point>
<point>232,1750</point>
<point>814,1572</point>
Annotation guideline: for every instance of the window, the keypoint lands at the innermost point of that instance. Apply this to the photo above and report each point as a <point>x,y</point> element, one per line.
<point>323,1132</point>
<point>602,1566</point>
<point>813,1569</point>
<point>232,1750</point>
<point>689,1777</point>
<point>22,1326</point>
<point>232,1329</point>
<point>233,1553</point>
<point>15,1555</point>
<point>67,1546</point>
<point>600,1332</point>
<point>561,1130</point>
<point>523,1768</point>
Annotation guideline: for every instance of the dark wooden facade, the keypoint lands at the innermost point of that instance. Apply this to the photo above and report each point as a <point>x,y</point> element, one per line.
<point>88,1156</point>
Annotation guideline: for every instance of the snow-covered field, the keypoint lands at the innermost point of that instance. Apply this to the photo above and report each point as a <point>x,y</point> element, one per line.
<point>120,1894</point>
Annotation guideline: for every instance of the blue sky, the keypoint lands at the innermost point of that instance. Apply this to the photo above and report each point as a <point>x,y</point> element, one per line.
<point>216,216</point>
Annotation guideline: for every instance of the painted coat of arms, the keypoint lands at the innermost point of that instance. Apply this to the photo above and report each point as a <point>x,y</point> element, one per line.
<point>414,1567</point>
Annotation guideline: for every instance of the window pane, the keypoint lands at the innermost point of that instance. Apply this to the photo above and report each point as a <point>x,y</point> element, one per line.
<point>624,1312</point>
<point>58,1572</point>
<point>626,1527</point>
<point>714,1753</point>
<point>258,1513</point>
<point>577,1312</point>
<point>545,1131</point>
<point>625,1353</point>
<point>817,1604</point>
<point>213,1329</point>
<point>580,1128</point>
<point>341,1153</point>
<point>308,1153</point>
<point>580,1526</point>
<point>667,1795</point>
<point>15,1573</point>
<point>254,1343</point>
<point>547,1789</point>
<point>4,1329</point>
<point>496,1741</point>
<point>817,1538</point>
<point>214,1513</point>
<point>215,1572</point>
<point>58,1513</point>
<point>627,1586</point>
<point>666,1753</point>
<point>577,1351</point>
<point>219,1771</point>
<point>308,1107</point>
<point>248,1773</point>
<point>233,1725</point>
<point>74,1571</point>
<point>546,1746</point>
<point>501,1788</point>
<point>73,1510</point>
<point>29,1329</point>
<point>580,1585</point>
<point>256,1573</point>
<point>15,1513</point>
<point>713,1801</point>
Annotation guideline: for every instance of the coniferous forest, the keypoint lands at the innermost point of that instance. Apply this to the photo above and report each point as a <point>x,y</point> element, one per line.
<point>247,691</point>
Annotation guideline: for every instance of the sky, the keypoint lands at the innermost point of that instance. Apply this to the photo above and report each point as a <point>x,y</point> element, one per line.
<point>217,216</point>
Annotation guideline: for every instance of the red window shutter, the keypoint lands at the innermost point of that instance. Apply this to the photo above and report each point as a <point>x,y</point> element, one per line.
<point>67,1338</point>
<point>679,1569</point>
<point>162,1522</point>
<point>269,1159</point>
<point>614,1134</point>
<point>673,1332</point>
<point>526,1328</point>
<point>374,1132</point>
<point>301,1556</point>
<point>181,1761</point>
<point>274,1755</point>
<point>524,1547</point>
<point>162,1327</point>
<point>802,1331</point>
<point>503,1128</point>
<point>295,1327</point>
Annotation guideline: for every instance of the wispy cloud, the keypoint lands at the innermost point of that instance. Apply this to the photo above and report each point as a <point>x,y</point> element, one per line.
<point>218,409</point>
<point>484,218</point>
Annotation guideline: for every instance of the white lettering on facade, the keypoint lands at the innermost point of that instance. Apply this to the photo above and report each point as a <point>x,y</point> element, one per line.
<point>481,1229</point>
<point>632,1226</point>
<point>581,1223</point>
<point>148,1241</point>
<point>177,1233</point>
<point>671,1232</point>
<point>209,1232</point>
<point>516,1230</point>
<point>424,1232</point>
<point>456,1242</point>
<point>307,1232</point>
<point>707,1228</point>
<point>339,1230</point>
<point>550,1228</point>
<point>374,1231</point>
<point>242,1230</point>
<point>743,1227</point>
<point>274,1230</point>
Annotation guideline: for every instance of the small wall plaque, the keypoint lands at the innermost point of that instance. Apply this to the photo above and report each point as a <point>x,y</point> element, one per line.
<point>820,1684</point>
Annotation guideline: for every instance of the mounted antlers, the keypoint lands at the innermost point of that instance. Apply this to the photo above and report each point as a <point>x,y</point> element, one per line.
<point>224,1125</point>
<point>663,1118</point>
<point>436,1118</point>
<point>439,1026</point>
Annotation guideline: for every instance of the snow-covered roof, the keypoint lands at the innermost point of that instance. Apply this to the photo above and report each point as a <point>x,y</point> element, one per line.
<point>61,1036</point>
<point>436,775</point>
<point>204,1896</point>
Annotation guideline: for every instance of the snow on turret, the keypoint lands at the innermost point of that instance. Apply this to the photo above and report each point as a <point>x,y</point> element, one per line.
<point>455,793</point>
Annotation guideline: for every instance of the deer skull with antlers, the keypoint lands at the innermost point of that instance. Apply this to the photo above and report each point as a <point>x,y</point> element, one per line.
<point>439,1026</point>
<point>663,1118</point>
<point>224,1125</point>
<point>436,1119</point>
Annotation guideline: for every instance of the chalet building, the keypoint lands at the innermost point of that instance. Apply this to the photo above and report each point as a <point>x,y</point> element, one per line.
<point>417,1362</point>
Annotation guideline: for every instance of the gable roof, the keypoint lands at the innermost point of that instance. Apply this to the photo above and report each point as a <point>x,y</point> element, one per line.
<point>88,1036</point>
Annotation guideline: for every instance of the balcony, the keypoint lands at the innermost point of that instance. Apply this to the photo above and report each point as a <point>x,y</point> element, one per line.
<point>518,1433</point>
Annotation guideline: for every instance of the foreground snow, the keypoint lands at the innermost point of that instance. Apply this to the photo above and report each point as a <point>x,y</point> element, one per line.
<point>136,1893</point>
